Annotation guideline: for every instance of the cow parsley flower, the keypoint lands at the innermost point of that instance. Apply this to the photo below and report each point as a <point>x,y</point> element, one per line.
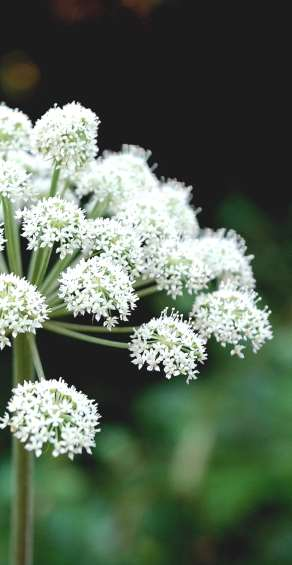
<point>53,220</point>
<point>117,241</point>
<point>15,129</point>
<point>2,239</point>
<point>100,287</point>
<point>22,308</point>
<point>13,181</point>
<point>177,198</point>
<point>224,252</point>
<point>50,413</point>
<point>232,317</point>
<point>116,177</point>
<point>67,135</point>
<point>173,265</point>
<point>168,342</point>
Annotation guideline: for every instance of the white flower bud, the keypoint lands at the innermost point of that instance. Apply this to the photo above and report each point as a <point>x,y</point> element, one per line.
<point>14,181</point>
<point>15,129</point>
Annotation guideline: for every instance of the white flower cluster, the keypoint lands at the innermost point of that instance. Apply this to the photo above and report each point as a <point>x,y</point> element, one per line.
<point>2,239</point>
<point>14,180</point>
<point>170,342</point>
<point>175,267</point>
<point>177,196</point>
<point>53,220</point>
<point>224,253</point>
<point>98,286</point>
<point>111,238</point>
<point>116,177</point>
<point>233,318</point>
<point>22,308</point>
<point>67,135</point>
<point>50,413</point>
<point>15,129</point>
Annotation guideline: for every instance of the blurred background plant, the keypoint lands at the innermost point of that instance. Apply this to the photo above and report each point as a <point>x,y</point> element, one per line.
<point>181,474</point>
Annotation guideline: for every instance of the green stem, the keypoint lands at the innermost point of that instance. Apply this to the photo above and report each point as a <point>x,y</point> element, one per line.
<point>12,237</point>
<point>143,282</point>
<point>98,208</point>
<point>50,281</point>
<point>3,266</point>
<point>39,264</point>
<point>59,311</point>
<point>57,328</point>
<point>97,329</point>
<point>22,464</point>
<point>147,291</point>
<point>36,357</point>
<point>54,181</point>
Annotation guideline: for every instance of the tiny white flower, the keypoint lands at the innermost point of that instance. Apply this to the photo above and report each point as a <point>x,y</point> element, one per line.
<point>67,135</point>
<point>100,287</point>
<point>224,253</point>
<point>52,413</point>
<point>168,342</point>
<point>22,308</point>
<point>15,129</point>
<point>14,180</point>
<point>233,318</point>
<point>116,177</point>
<point>177,198</point>
<point>115,240</point>
<point>53,220</point>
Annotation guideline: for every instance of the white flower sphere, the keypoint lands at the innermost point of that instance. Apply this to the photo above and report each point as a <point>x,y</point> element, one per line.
<point>100,287</point>
<point>22,308</point>
<point>15,129</point>
<point>14,181</point>
<point>50,413</point>
<point>168,342</point>
<point>111,238</point>
<point>233,318</point>
<point>177,198</point>
<point>224,253</point>
<point>53,220</point>
<point>116,177</point>
<point>174,267</point>
<point>67,136</point>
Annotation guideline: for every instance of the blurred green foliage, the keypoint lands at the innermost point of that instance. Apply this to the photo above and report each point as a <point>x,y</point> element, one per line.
<point>201,473</point>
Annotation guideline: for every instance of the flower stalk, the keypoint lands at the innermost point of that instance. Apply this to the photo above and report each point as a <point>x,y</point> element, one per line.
<point>22,464</point>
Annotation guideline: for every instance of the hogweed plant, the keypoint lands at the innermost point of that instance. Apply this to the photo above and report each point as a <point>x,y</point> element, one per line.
<point>102,233</point>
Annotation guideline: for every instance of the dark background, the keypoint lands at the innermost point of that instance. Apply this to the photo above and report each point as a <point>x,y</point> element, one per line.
<point>199,474</point>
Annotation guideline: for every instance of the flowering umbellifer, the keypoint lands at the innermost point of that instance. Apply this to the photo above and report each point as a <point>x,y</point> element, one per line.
<point>84,265</point>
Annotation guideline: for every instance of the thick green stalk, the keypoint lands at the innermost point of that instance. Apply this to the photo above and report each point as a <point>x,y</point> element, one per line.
<point>12,237</point>
<point>39,264</point>
<point>54,181</point>
<point>36,357</point>
<point>98,209</point>
<point>57,328</point>
<point>22,465</point>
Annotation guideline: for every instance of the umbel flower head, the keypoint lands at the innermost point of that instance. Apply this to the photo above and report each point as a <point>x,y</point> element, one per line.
<point>15,129</point>
<point>100,287</point>
<point>224,253</point>
<point>13,180</point>
<point>174,267</point>
<point>233,318</point>
<point>53,220</point>
<point>111,238</point>
<point>168,342</point>
<point>52,413</point>
<point>2,240</point>
<point>67,135</point>
<point>116,177</point>
<point>177,196</point>
<point>22,308</point>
